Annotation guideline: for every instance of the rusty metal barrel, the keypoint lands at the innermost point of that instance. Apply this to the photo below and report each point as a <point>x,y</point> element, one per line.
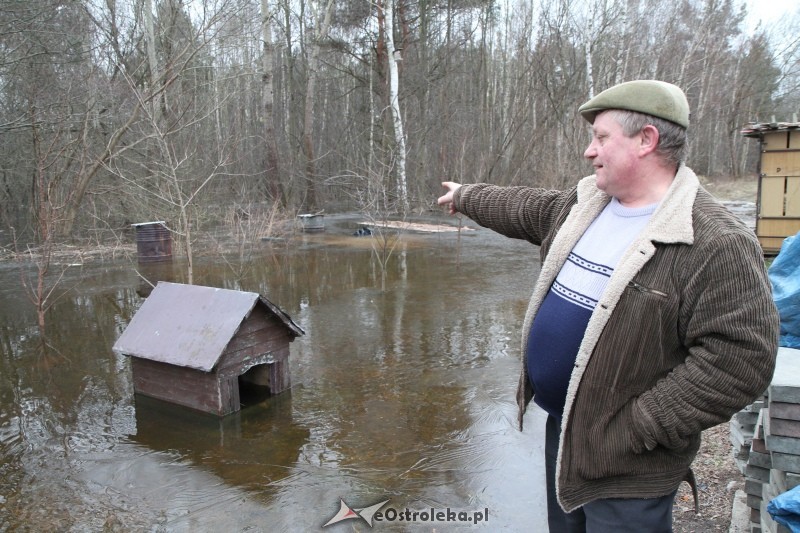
<point>153,242</point>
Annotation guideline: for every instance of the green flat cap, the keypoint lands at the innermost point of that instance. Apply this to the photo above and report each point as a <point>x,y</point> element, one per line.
<point>652,97</point>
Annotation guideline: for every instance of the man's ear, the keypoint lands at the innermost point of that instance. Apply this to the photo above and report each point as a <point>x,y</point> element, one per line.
<point>649,139</point>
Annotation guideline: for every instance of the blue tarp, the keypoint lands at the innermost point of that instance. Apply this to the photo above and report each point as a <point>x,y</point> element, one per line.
<point>785,509</point>
<point>784,274</point>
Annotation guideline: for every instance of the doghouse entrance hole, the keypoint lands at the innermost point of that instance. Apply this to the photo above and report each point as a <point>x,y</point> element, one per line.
<point>254,385</point>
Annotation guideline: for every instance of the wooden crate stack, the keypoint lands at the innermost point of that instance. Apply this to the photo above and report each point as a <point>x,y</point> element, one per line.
<point>766,439</point>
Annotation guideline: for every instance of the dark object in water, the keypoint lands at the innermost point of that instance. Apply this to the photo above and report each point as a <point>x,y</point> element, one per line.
<point>153,242</point>
<point>362,232</point>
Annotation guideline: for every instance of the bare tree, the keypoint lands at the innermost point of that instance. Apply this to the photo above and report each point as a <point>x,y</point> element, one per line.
<point>394,105</point>
<point>272,169</point>
<point>322,24</point>
<point>43,289</point>
<point>270,96</point>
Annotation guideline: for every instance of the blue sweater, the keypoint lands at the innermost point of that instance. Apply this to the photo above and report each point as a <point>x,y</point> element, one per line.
<point>557,330</point>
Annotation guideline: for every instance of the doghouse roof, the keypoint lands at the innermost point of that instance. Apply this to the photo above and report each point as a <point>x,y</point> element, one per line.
<point>190,325</point>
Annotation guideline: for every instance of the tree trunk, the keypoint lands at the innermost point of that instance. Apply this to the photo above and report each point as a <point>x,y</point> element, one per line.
<point>85,177</point>
<point>271,168</point>
<point>394,103</point>
<point>308,117</point>
<point>150,43</point>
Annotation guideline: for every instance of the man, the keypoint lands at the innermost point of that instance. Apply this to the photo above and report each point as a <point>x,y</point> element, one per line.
<point>651,320</point>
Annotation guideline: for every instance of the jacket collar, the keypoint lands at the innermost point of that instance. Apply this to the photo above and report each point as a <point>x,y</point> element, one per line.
<point>671,222</point>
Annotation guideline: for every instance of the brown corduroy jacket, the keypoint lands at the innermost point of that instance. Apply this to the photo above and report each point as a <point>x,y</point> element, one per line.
<point>684,336</point>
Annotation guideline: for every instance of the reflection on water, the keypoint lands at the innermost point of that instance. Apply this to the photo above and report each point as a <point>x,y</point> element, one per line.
<point>403,394</point>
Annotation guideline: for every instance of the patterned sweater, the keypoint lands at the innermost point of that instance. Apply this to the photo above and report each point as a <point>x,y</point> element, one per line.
<point>684,336</point>
<point>557,329</point>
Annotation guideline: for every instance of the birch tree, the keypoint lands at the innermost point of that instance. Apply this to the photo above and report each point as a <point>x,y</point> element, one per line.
<point>394,106</point>
<point>292,91</point>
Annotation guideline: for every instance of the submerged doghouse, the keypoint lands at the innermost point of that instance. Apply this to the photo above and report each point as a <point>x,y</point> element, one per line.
<point>778,201</point>
<point>201,347</point>
<point>153,241</point>
<point>312,222</point>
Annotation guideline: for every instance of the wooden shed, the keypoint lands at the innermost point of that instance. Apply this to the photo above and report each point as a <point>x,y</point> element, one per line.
<point>153,241</point>
<point>203,347</point>
<point>778,200</point>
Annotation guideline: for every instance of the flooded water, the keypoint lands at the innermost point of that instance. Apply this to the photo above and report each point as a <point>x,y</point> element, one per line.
<point>403,393</point>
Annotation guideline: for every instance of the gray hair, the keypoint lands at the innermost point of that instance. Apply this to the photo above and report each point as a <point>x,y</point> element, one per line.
<point>672,139</point>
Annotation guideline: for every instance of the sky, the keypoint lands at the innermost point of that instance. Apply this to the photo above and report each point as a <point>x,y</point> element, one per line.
<point>770,10</point>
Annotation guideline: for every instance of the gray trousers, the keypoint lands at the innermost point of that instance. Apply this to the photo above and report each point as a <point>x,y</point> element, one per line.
<point>634,515</point>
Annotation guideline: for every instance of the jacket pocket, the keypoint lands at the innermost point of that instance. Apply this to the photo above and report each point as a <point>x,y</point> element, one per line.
<point>634,285</point>
<point>607,448</point>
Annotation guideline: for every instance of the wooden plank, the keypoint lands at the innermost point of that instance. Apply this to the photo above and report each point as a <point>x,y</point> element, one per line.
<point>415,226</point>
<point>239,367</point>
<point>270,338</point>
<point>259,319</point>
<point>279,377</point>
<point>252,344</point>
<point>260,332</point>
<point>794,139</point>
<point>781,163</point>
<point>792,197</point>
<point>778,227</point>
<point>778,140</point>
<point>770,245</point>
<point>180,385</point>
<point>230,401</point>
<point>265,340</point>
<point>236,366</point>
<point>772,196</point>
<point>264,324</point>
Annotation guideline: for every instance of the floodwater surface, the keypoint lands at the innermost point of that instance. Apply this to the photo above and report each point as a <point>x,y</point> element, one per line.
<point>402,392</point>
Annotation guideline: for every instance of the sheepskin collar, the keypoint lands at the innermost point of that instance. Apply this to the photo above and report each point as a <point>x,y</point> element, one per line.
<point>672,220</point>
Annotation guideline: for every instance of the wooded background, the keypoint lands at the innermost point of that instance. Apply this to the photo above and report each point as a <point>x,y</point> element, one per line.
<point>114,112</point>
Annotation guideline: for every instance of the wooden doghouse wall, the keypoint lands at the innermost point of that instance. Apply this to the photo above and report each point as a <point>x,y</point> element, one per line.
<point>262,339</point>
<point>184,386</point>
<point>779,189</point>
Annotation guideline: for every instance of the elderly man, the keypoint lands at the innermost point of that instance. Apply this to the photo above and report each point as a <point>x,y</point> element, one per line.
<point>651,320</point>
